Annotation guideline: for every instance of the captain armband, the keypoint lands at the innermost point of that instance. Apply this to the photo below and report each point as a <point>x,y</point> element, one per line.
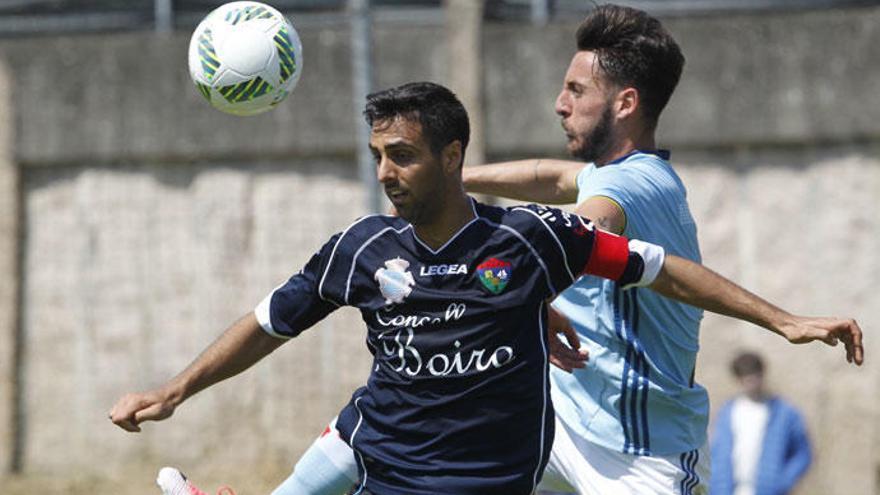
<point>629,262</point>
<point>644,264</point>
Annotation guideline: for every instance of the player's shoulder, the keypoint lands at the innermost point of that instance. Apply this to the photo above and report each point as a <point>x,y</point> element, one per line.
<point>365,228</point>
<point>527,218</point>
<point>503,217</point>
<point>646,166</point>
<point>375,223</point>
<point>656,170</point>
<point>339,254</point>
<point>637,175</point>
<point>528,212</point>
<point>507,215</point>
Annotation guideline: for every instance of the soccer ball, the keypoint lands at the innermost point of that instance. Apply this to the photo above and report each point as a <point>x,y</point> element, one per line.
<point>245,58</point>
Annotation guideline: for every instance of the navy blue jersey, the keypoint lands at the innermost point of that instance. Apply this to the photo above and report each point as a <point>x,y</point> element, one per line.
<point>458,398</point>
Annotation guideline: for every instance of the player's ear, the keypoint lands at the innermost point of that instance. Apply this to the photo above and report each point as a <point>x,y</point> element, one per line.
<point>451,157</point>
<point>626,103</point>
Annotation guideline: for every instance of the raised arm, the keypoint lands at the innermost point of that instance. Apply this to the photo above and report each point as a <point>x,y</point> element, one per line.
<point>242,345</point>
<point>546,181</point>
<point>695,284</point>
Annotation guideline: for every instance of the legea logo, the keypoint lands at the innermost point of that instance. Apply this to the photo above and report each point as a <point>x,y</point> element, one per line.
<point>454,269</point>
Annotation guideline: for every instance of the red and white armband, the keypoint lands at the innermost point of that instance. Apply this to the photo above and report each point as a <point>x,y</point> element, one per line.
<point>630,262</point>
<point>652,257</point>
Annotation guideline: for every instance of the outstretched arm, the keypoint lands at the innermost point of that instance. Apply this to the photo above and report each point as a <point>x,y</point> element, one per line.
<point>547,181</point>
<point>694,284</point>
<point>242,345</point>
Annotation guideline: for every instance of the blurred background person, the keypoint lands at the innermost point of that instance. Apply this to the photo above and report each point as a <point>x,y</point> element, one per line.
<point>760,445</point>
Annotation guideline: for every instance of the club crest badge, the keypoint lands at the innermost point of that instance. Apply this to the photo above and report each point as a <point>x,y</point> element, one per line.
<point>494,274</point>
<point>395,281</point>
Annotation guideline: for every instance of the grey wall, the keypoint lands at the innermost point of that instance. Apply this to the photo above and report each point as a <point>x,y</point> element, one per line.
<point>152,221</point>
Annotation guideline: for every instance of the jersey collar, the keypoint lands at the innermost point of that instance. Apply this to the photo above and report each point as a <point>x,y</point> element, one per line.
<point>663,154</point>
<point>454,236</point>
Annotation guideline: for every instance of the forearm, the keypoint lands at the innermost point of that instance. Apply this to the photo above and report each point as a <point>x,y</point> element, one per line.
<point>545,181</point>
<point>696,285</point>
<point>237,349</point>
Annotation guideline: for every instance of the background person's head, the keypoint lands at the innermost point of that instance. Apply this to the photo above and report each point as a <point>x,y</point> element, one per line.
<point>419,132</point>
<point>748,368</point>
<point>619,81</point>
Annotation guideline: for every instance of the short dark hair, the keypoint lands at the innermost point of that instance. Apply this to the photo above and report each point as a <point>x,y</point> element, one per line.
<point>442,116</point>
<point>747,363</point>
<point>634,49</point>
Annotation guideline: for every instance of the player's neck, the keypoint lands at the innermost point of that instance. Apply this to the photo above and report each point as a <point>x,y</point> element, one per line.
<point>456,213</point>
<point>642,141</point>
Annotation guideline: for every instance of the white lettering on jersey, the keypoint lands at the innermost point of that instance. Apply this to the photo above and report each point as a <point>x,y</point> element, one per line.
<point>404,357</point>
<point>546,213</point>
<point>455,311</point>
<point>454,269</point>
<point>411,321</point>
<point>452,362</point>
<point>410,359</point>
<point>566,217</point>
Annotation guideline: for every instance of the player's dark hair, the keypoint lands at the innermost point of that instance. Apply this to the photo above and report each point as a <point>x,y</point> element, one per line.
<point>437,109</point>
<point>634,49</point>
<point>747,363</point>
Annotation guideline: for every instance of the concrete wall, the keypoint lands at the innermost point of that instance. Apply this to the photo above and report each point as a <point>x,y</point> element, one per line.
<point>135,268</point>
<point>798,227</point>
<point>755,80</point>
<point>152,221</point>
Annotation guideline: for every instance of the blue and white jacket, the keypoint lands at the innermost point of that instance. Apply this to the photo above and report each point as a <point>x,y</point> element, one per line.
<point>785,452</point>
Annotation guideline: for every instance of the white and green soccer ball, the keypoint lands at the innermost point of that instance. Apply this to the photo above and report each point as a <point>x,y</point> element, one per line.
<point>245,58</point>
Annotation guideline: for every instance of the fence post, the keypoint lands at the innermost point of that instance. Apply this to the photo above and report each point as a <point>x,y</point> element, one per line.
<point>464,26</point>
<point>10,283</point>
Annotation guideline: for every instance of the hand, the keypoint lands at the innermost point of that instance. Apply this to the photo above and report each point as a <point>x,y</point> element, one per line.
<point>829,330</point>
<point>132,409</point>
<point>565,357</point>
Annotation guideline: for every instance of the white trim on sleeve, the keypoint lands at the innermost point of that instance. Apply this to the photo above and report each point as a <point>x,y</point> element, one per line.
<point>653,257</point>
<point>261,312</point>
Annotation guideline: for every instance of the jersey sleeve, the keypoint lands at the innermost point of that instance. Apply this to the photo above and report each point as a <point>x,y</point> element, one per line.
<point>570,246</point>
<point>297,304</point>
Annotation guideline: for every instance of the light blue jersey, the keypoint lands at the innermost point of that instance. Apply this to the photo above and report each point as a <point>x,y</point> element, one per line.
<point>637,393</point>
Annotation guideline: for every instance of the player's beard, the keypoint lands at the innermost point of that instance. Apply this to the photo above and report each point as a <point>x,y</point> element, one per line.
<point>415,212</point>
<point>598,140</point>
<point>424,207</point>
